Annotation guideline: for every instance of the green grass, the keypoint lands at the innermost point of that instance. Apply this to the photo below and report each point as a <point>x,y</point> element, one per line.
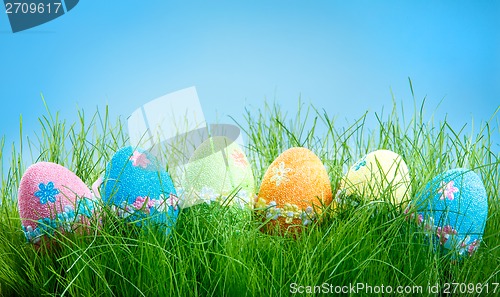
<point>213,252</point>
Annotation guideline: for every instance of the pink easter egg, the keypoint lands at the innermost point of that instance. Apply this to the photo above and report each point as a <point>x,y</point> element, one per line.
<point>51,198</point>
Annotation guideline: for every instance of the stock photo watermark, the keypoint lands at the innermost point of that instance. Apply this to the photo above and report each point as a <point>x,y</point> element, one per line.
<point>26,14</point>
<point>365,288</point>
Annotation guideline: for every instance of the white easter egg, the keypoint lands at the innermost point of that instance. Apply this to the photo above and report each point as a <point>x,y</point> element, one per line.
<point>380,175</point>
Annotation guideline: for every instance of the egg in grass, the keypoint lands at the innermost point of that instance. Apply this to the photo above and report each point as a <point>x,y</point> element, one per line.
<point>293,191</point>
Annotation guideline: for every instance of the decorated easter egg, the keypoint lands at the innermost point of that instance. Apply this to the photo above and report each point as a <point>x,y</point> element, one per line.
<point>219,171</point>
<point>293,189</point>
<point>51,198</point>
<point>138,188</point>
<point>453,208</point>
<point>380,175</point>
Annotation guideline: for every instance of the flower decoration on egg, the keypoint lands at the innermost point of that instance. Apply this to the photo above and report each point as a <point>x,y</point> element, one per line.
<point>239,158</point>
<point>448,190</point>
<point>468,247</point>
<point>208,195</point>
<point>446,236</point>
<point>86,207</point>
<point>172,201</point>
<point>140,159</point>
<point>444,233</point>
<point>360,164</point>
<point>47,192</point>
<point>144,203</point>
<point>452,210</point>
<point>280,174</point>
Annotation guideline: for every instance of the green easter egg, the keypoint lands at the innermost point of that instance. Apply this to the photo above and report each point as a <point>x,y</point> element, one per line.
<point>219,171</point>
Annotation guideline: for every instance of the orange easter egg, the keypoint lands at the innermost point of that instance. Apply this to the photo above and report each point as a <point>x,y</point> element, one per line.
<point>293,189</point>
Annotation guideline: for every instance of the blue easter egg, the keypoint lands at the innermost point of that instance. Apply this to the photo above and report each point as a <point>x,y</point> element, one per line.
<point>453,208</point>
<point>137,187</point>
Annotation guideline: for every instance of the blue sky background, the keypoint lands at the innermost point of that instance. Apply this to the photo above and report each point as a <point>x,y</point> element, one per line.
<point>343,56</point>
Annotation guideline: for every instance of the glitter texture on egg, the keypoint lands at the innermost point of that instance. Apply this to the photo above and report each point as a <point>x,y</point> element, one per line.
<point>293,189</point>
<point>219,171</point>
<point>453,209</point>
<point>51,198</point>
<point>138,188</point>
<point>380,175</point>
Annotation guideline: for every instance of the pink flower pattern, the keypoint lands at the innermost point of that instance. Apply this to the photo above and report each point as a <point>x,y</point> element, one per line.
<point>470,248</point>
<point>139,203</point>
<point>444,233</point>
<point>139,159</point>
<point>239,159</point>
<point>428,223</point>
<point>419,219</point>
<point>473,247</point>
<point>447,190</point>
<point>172,200</point>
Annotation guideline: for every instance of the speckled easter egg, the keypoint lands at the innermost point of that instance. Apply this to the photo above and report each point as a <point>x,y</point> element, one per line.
<point>219,171</point>
<point>138,188</point>
<point>293,189</point>
<point>453,208</point>
<point>51,198</point>
<point>380,175</point>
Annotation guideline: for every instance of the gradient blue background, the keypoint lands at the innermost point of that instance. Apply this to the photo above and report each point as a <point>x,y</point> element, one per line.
<point>345,57</point>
